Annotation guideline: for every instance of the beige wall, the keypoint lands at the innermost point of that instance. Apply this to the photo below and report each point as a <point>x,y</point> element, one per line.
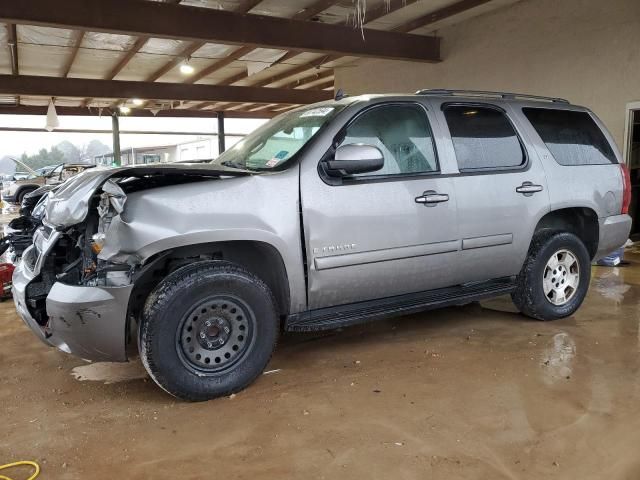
<point>587,51</point>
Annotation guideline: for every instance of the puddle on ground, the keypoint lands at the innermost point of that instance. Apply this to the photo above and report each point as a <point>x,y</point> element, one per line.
<point>611,284</point>
<point>108,372</point>
<point>557,360</point>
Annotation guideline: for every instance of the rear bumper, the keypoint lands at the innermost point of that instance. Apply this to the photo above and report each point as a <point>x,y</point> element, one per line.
<point>89,322</point>
<point>614,232</point>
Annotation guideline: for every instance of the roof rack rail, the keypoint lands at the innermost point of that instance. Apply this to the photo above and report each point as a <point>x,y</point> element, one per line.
<point>479,93</point>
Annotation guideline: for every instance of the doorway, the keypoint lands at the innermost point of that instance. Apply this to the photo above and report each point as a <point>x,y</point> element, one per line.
<point>632,158</point>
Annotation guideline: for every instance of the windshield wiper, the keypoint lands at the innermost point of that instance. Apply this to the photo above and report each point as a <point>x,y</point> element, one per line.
<point>238,165</point>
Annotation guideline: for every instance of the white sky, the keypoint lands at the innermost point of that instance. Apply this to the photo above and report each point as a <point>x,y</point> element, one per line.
<point>15,143</point>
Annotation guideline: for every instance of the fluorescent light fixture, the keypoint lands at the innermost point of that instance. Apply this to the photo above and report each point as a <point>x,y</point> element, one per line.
<point>124,109</point>
<point>137,101</point>
<point>186,69</point>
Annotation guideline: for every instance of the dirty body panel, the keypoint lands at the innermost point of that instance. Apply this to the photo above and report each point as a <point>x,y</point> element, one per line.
<point>89,317</point>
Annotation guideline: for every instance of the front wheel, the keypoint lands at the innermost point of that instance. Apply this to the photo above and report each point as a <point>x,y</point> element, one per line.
<point>208,330</point>
<point>555,277</point>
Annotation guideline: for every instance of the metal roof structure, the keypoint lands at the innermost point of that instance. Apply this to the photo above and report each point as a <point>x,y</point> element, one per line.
<point>247,58</point>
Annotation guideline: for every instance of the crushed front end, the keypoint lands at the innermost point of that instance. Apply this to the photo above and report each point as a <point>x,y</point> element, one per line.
<point>68,296</point>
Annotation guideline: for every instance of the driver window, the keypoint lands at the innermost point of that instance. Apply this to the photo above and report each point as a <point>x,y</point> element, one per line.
<point>403,135</point>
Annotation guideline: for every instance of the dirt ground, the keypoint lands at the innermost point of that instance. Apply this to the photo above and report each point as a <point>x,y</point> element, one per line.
<point>462,393</point>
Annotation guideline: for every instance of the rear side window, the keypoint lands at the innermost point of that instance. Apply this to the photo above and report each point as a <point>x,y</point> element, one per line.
<point>573,138</point>
<point>483,138</point>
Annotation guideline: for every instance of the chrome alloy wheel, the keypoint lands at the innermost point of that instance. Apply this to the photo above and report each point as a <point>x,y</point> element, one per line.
<point>561,277</point>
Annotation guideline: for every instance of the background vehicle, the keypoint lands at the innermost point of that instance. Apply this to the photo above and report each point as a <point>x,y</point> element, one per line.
<point>327,216</point>
<point>18,234</point>
<point>15,191</point>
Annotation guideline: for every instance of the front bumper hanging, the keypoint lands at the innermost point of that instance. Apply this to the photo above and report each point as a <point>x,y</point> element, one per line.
<point>89,322</point>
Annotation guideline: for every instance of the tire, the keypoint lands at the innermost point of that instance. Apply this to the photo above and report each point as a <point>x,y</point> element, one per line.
<point>23,193</point>
<point>540,288</point>
<point>208,330</point>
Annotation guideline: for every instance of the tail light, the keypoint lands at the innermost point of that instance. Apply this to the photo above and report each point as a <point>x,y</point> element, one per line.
<point>626,191</point>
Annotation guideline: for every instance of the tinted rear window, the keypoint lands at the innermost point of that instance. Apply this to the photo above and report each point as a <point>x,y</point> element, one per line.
<point>573,138</point>
<point>483,138</point>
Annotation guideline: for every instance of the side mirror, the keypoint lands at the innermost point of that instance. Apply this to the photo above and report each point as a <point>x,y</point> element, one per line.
<point>355,158</point>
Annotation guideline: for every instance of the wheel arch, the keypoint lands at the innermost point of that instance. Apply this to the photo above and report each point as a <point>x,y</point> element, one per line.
<point>23,190</point>
<point>260,258</point>
<point>581,221</point>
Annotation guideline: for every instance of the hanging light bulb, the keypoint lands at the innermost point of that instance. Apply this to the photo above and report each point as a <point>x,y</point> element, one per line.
<point>137,101</point>
<point>185,68</point>
<point>124,109</point>
<point>52,117</point>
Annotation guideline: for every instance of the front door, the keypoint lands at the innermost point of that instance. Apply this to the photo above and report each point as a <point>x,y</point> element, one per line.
<point>501,188</point>
<point>384,233</point>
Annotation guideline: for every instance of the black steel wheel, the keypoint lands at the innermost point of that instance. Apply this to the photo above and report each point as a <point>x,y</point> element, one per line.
<point>215,334</point>
<point>208,330</point>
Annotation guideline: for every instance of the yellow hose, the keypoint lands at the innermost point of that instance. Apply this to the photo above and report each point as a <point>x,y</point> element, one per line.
<point>18,464</point>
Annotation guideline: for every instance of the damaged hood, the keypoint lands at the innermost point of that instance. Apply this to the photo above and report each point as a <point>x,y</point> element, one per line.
<point>69,204</point>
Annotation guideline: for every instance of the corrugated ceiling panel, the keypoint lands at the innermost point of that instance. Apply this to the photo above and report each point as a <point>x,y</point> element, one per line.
<point>275,8</point>
<point>95,63</point>
<point>163,46</point>
<point>108,41</point>
<point>214,50</point>
<point>142,65</point>
<point>28,34</point>
<point>281,8</point>
<point>343,12</point>
<point>42,60</point>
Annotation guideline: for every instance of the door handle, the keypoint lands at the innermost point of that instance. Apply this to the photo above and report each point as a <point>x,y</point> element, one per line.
<point>431,198</point>
<point>528,188</point>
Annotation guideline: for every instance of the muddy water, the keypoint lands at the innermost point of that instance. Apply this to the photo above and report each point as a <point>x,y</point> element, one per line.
<point>470,392</point>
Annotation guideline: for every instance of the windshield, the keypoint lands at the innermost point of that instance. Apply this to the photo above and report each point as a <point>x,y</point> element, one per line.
<point>277,141</point>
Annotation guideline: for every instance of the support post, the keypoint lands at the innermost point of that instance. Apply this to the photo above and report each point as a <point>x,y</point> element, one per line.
<point>221,139</point>
<point>115,130</point>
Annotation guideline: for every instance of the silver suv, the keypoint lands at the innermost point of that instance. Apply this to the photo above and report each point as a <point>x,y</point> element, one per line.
<point>329,215</point>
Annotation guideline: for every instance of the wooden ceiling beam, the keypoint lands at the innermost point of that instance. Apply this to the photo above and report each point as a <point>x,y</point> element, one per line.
<point>219,64</point>
<point>186,52</point>
<point>313,9</point>
<point>126,58</point>
<point>310,79</point>
<point>440,14</point>
<point>190,49</point>
<point>77,41</point>
<point>247,6</point>
<point>386,9</point>
<point>94,112</point>
<point>210,25</point>
<point>12,42</point>
<point>304,14</point>
<point>89,88</point>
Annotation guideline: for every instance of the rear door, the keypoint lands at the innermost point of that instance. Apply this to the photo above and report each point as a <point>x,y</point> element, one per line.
<point>372,235</point>
<point>500,187</point>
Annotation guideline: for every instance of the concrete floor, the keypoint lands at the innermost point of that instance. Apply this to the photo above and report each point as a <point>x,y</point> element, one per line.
<point>462,393</point>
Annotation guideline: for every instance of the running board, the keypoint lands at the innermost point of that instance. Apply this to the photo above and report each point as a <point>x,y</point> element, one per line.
<point>361,312</point>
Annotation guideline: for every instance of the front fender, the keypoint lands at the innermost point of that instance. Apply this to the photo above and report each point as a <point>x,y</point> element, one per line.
<point>258,208</point>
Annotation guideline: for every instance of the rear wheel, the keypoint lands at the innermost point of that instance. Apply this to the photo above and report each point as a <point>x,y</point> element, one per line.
<point>555,277</point>
<point>208,330</point>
